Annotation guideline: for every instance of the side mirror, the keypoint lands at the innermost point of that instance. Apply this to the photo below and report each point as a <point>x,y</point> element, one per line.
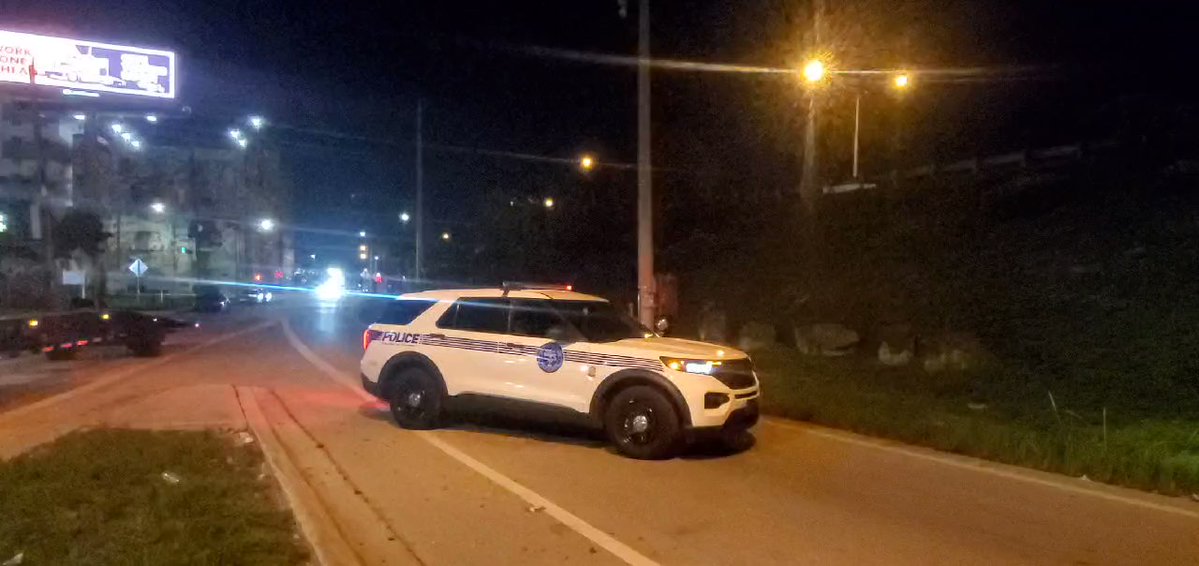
<point>662,325</point>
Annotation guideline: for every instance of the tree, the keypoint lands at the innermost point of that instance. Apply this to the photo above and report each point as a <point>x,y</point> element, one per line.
<point>82,232</point>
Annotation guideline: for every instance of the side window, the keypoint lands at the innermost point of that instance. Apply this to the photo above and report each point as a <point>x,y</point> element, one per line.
<point>477,315</point>
<point>533,318</point>
<point>404,311</point>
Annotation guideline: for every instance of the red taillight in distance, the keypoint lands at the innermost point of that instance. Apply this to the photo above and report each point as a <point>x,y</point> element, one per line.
<point>369,336</point>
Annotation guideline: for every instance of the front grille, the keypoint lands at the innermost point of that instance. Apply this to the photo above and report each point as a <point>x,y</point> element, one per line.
<point>735,374</point>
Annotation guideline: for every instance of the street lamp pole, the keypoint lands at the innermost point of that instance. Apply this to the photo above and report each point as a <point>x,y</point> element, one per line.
<point>857,122</point>
<point>645,201</point>
<point>420,192</point>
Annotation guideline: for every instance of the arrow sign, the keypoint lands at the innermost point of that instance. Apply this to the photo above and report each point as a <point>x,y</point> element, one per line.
<point>138,267</point>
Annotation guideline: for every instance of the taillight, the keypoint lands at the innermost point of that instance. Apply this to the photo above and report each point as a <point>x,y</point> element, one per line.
<point>369,336</point>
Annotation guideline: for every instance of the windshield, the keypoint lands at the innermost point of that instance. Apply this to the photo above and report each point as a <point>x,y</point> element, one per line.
<point>599,321</point>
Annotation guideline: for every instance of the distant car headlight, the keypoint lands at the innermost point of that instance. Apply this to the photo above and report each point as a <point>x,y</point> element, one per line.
<point>703,367</point>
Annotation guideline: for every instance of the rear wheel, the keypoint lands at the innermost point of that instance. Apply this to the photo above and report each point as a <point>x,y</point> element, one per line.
<point>60,355</point>
<point>415,399</point>
<point>145,347</point>
<point>642,423</point>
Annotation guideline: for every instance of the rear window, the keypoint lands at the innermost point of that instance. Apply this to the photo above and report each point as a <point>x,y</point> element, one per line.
<point>206,290</point>
<point>477,315</point>
<point>404,311</point>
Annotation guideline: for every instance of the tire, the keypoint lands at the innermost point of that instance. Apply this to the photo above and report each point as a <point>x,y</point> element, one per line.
<point>642,423</point>
<point>58,355</point>
<point>145,348</point>
<point>415,399</point>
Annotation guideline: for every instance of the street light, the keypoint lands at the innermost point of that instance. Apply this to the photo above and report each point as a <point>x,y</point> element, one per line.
<point>126,136</point>
<point>137,144</point>
<point>902,81</point>
<point>548,202</point>
<point>266,225</point>
<point>587,163</point>
<point>362,233</point>
<point>362,248</point>
<point>151,118</point>
<point>242,142</point>
<point>235,134</point>
<point>362,257</point>
<point>311,256</point>
<point>404,217</point>
<point>257,122</point>
<point>445,236</point>
<point>117,128</point>
<point>80,117</point>
<point>813,72</point>
<point>158,207</point>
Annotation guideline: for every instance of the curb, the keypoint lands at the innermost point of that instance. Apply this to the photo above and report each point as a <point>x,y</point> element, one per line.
<point>326,540</point>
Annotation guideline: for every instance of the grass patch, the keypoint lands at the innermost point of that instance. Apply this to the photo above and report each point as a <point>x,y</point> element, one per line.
<point>99,497</point>
<point>1018,426</point>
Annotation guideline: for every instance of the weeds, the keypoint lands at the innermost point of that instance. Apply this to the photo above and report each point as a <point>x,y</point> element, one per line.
<point>1146,451</point>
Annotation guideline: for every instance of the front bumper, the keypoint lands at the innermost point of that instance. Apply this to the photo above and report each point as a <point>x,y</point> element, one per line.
<point>741,411</point>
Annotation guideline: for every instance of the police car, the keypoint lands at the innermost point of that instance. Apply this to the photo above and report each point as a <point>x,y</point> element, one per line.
<point>559,348</point>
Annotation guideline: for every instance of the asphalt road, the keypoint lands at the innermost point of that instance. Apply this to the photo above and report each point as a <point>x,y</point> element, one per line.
<point>501,490</point>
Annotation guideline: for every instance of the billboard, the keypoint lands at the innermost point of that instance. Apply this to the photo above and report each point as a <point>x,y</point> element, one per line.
<point>77,64</point>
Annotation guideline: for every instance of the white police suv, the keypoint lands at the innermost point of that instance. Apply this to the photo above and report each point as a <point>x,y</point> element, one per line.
<point>559,348</point>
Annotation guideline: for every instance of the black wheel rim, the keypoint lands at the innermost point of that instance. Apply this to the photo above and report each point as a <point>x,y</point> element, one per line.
<point>411,401</point>
<point>638,423</point>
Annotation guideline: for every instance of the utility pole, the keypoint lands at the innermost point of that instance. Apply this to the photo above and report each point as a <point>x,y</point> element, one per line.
<point>809,186</point>
<point>420,191</point>
<point>645,201</point>
<point>42,217</point>
<point>857,121</point>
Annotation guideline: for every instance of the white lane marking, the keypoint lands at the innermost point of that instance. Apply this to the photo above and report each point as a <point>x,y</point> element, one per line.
<point>985,467</point>
<point>122,373</point>
<point>574,522</point>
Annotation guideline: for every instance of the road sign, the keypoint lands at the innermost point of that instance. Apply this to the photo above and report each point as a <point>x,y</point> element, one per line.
<point>138,267</point>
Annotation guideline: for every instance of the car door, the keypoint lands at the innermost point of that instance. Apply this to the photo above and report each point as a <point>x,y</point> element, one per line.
<point>539,364</point>
<point>468,345</point>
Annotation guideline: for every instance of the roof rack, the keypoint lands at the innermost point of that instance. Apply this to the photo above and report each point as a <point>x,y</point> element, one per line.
<point>509,286</point>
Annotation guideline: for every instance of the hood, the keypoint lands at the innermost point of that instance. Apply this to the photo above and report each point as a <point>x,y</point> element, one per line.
<point>656,346</point>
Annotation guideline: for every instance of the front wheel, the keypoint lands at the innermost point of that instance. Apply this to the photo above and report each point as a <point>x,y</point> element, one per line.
<point>642,423</point>
<point>415,399</point>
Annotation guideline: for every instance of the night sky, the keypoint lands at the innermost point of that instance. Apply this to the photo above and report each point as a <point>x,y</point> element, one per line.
<point>326,76</point>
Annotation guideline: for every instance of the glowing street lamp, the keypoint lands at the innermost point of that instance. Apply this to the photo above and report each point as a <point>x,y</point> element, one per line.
<point>362,233</point>
<point>587,163</point>
<point>117,128</point>
<point>266,225</point>
<point>813,72</point>
<point>902,81</point>
<point>235,133</point>
<point>548,202</point>
<point>137,144</point>
<point>151,118</point>
<point>242,142</point>
<point>404,217</point>
<point>445,236</point>
<point>158,207</point>
<point>257,122</point>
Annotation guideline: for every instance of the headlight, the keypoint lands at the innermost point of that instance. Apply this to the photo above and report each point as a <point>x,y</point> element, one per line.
<point>703,367</point>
